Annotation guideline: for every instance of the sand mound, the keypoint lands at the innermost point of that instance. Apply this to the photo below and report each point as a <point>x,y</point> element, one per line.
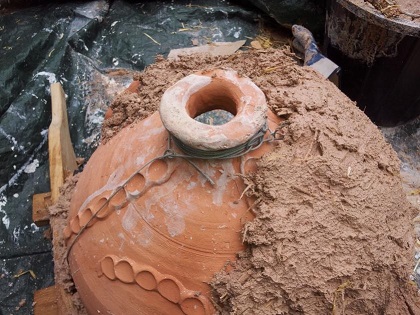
<point>333,231</point>
<point>58,221</point>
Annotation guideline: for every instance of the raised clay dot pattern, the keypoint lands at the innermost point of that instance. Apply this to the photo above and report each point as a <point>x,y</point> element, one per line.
<point>148,278</point>
<point>157,172</point>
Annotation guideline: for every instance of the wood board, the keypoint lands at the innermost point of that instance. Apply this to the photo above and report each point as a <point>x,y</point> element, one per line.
<point>55,300</point>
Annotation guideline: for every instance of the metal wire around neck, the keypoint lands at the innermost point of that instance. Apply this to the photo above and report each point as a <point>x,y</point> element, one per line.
<point>253,143</point>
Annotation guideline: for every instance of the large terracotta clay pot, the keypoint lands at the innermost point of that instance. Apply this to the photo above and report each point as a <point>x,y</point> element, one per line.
<point>163,229</point>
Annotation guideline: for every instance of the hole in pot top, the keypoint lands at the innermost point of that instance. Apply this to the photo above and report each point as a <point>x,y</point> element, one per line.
<point>214,104</point>
<point>215,117</point>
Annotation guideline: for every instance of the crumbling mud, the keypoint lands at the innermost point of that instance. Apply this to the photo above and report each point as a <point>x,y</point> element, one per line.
<point>58,221</point>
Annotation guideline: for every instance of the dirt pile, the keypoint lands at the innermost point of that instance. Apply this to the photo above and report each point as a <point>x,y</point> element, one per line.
<point>58,221</point>
<point>333,230</point>
<point>397,8</point>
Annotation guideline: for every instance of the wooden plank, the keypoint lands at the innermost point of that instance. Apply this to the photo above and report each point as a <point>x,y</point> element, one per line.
<point>61,153</point>
<point>62,161</point>
<point>46,301</point>
<point>40,204</point>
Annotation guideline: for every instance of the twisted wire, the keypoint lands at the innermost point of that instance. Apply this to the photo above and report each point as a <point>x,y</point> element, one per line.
<point>253,143</point>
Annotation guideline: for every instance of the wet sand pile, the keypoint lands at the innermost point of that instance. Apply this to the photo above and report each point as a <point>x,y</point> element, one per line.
<point>397,8</point>
<point>332,233</point>
<point>58,221</point>
<point>411,8</point>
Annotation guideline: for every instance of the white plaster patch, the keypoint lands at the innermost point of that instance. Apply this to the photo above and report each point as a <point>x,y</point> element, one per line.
<point>145,236</point>
<point>140,160</point>
<point>191,185</point>
<point>174,219</point>
<point>221,182</point>
<point>122,238</point>
<point>130,218</point>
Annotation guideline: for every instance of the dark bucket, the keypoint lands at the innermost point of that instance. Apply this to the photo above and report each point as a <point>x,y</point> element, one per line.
<point>379,57</point>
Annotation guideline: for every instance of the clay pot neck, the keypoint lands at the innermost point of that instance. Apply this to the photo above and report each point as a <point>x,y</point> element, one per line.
<point>206,91</point>
<point>219,94</point>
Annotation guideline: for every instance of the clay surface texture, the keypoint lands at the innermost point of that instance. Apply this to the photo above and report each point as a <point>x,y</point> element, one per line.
<point>332,228</point>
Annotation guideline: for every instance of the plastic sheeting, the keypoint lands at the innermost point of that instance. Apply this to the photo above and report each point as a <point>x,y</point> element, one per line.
<point>308,13</point>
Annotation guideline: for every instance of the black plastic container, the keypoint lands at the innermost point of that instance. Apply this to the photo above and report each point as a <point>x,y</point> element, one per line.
<point>380,60</point>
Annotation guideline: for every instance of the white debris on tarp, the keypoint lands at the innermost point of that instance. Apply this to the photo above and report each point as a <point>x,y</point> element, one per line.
<point>30,168</point>
<point>93,9</point>
<point>12,140</point>
<point>84,45</point>
<point>22,169</point>
<point>49,75</point>
<point>5,219</point>
<point>102,90</point>
<point>5,271</point>
<point>236,32</point>
<point>16,235</point>
<point>34,228</point>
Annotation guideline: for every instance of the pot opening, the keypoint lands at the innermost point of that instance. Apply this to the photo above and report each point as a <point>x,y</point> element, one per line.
<point>214,104</point>
<point>215,117</point>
